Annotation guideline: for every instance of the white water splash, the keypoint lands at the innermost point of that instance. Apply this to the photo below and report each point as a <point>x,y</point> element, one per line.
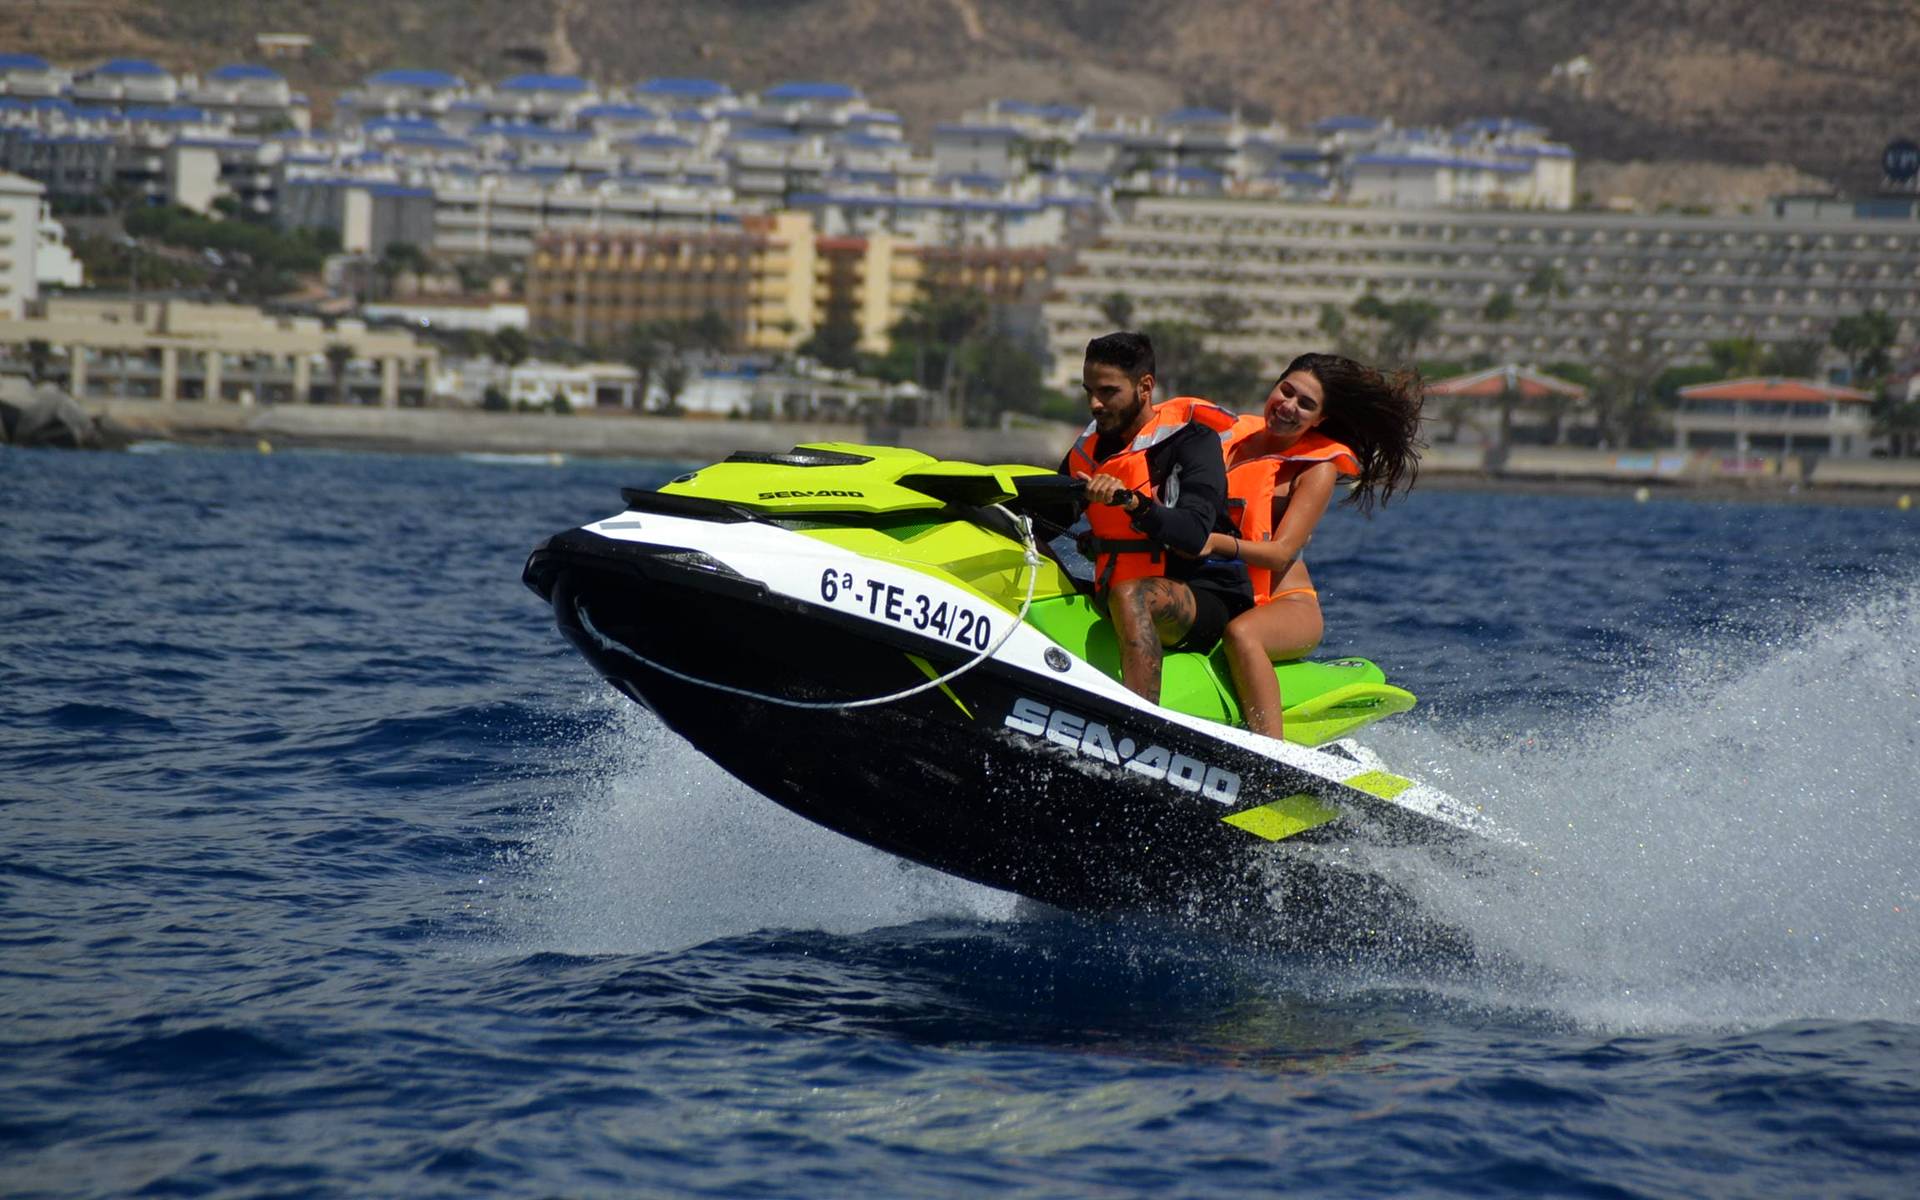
<point>1736,842</point>
<point>661,849</point>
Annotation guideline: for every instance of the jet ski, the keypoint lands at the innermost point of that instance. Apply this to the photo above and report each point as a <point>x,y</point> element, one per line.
<point>899,648</point>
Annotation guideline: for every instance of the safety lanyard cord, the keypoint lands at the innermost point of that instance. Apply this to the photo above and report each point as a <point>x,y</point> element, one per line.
<point>1033,578</point>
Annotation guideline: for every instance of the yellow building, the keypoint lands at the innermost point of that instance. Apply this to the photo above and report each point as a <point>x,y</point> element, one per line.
<point>592,286</point>
<point>774,281</point>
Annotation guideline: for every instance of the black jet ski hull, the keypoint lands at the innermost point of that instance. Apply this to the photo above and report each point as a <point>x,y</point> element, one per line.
<point>1004,776</point>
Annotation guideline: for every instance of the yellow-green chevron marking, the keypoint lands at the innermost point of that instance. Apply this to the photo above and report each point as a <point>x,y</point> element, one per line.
<point>1379,783</point>
<point>927,668</point>
<point>1284,817</point>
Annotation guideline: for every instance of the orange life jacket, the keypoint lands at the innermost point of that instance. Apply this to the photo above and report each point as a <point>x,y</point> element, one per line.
<point>1252,482</point>
<point>1119,551</point>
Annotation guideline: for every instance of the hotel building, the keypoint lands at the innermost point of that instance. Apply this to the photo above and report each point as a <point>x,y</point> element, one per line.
<point>1583,287</point>
<point>774,279</point>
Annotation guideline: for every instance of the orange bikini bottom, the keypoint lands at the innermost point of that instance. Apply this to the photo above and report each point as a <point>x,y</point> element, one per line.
<point>1293,592</point>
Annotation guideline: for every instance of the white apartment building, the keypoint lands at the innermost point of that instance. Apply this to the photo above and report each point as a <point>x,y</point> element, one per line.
<point>1435,177</point>
<point>536,99</point>
<point>21,202</point>
<point>30,77</point>
<point>400,93</point>
<point>54,264</point>
<point>941,220</point>
<point>1583,287</point>
<point>124,83</point>
<point>250,99</point>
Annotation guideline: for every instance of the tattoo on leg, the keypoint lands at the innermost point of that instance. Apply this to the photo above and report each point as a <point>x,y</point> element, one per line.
<point>1140,641</point>
<point>1172,607</point>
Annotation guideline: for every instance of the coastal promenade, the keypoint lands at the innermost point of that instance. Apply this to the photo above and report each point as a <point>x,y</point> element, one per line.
<point>445,431</point>
<point>450,430</point>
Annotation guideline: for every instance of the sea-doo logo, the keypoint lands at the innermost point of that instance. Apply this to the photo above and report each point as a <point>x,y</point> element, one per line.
<point>1095,740</point>
<point>810,495</point>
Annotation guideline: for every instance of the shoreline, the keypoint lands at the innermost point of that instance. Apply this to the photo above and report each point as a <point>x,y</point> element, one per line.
<point>1531,471</point>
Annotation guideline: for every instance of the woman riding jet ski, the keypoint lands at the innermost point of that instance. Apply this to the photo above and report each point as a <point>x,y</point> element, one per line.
<point>880,642</point>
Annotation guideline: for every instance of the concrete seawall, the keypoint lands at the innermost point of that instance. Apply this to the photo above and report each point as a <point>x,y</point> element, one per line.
<point>447,430</point>
<point>441,430</point>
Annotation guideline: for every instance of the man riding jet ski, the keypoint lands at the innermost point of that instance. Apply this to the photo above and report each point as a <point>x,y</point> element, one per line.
<point>881,642</point>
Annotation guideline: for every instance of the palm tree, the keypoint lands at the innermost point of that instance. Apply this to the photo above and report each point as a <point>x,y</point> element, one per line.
<point>1410,322</point>
<point>1734,357</point>
<point>710,331</point>
<point>673,381</point>
<point>509,346</point>
<point>1224,313</point>
<point>339,354</point>
<point>1118,309</point>
<point>645,351</point>
<point>1865,339</point>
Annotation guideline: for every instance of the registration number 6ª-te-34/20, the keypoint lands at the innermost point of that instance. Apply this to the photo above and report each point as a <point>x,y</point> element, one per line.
<point>904,606</point>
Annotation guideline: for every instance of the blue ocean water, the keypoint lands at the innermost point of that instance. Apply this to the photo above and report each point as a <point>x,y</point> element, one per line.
<point>327,869</point>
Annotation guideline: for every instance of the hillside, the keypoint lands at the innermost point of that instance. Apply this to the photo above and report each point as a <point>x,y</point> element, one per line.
<point>1816,87</point>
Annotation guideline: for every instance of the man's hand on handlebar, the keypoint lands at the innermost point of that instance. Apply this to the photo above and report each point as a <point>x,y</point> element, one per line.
<point>1105,489</point>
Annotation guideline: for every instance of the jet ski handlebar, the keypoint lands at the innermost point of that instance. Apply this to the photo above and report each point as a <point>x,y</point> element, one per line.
<point>1058,490</point>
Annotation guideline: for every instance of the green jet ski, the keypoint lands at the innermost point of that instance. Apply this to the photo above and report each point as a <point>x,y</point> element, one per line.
<point>886,644</point>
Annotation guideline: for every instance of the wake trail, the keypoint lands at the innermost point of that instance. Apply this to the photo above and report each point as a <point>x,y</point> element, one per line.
<point>1733,841</point>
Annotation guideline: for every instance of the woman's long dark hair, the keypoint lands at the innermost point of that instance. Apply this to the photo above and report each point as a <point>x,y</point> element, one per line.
<point>1377,416</point>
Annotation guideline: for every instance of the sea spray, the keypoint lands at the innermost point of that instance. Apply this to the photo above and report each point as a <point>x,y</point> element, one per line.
<point>654,847</point>
<point>1731,843</point>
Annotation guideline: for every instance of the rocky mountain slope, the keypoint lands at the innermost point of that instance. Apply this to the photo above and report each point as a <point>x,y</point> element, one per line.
<point>1818,87</point>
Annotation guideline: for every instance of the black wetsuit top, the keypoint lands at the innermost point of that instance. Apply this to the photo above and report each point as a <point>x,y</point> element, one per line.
<point>1188,470</point>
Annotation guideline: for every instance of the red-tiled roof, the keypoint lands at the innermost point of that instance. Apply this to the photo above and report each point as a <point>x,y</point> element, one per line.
<point>1491,384</point>
<point>1787,391</point>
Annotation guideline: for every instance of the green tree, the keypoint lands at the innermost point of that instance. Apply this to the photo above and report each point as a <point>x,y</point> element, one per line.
<point>1798,359</point>
<point>710,331</point>
<point>1003,375</point>
<point>1409,322</point>
<point>509,346</point>
<point>935,331</point>
<point>1223,313</point>
<point>1177,350</point>
<point>1333,322</point>
<point>1118,309</point>
<point>1866,340</point>
<point>1547,284</point>
<point>674,378</point>
<point>400,258</point>
<point>339,355</point>
<point>836,343</point>
<point>1733,357</point>
<point>1369,307</point>
<point>644,349</point>
<point>1897,418</point>
<point>1233,381</point>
